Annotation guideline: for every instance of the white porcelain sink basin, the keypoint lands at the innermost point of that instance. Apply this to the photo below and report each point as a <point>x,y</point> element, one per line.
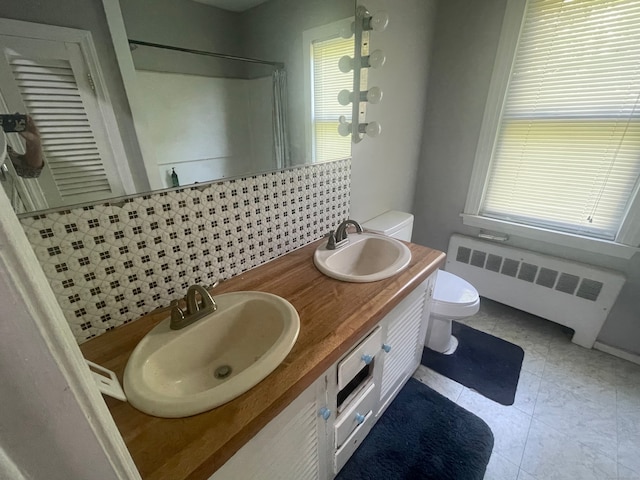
<point>177,373</point>
<point>367,257</point>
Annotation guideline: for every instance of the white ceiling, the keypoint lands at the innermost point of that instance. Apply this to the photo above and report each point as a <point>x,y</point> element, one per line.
<point>233,5</point>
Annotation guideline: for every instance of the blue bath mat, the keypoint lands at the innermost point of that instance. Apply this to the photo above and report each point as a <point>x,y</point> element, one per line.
<point>487,364</point>
<point>422,435</point>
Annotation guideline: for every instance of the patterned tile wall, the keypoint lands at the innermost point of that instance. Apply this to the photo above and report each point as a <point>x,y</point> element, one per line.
<point>111,263</point>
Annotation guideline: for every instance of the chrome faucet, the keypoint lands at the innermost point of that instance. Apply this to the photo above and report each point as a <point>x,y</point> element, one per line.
<point>195,310</point>
<point>339,238</point>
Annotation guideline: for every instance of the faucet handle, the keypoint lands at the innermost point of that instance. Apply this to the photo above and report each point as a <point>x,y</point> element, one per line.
<point>177,314</point>
<point>331,243</point>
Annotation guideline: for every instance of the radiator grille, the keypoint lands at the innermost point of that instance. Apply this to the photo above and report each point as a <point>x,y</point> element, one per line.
<point>573,294</point>
<point>510,267</point>
<point>570,284</point>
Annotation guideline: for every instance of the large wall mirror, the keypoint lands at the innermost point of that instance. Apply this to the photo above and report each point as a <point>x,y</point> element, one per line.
<point>215,89</point>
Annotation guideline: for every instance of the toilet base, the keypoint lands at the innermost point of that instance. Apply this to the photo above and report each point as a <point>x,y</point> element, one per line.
<point>453,344</point>
<point>439,336</point>
<point>448,348</point>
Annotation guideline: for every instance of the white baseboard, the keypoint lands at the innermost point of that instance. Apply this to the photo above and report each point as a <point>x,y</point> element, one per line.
<point>616,352</point>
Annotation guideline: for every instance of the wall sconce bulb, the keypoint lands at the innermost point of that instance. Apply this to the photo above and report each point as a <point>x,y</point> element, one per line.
<point>374,95</point>
<point>347,31</point>
<point>372,129</point>
<point>345,64</point>
<point>376,59</point>
<point>344,97</point>
<point>344,128</point>
<point>377,22</point>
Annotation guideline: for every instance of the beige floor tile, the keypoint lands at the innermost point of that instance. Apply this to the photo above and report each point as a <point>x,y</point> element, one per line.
<point>509,425</point>
<point>625,473</point>
<point>527,392</point>
<point>629,451</point>
<point>441,384</point>
<point>551,455</point>
<point>500,468</point>
<point>522,475</point>
<point>577,411</point>
<point>578,417</point>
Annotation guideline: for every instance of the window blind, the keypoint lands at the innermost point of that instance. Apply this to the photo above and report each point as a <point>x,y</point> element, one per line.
<point>567,152</point>
<point>328,81</point>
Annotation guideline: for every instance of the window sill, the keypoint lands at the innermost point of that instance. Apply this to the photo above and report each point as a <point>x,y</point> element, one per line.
<point>592,245</point>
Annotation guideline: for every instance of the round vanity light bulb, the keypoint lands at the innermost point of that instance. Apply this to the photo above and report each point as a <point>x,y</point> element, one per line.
<point>347,31</point>
<point>344,129</point>
<point>344,97</point>
<point>374,95</point>
<point>373,129</point>
<point>345,64</point>
<point>377,59</point>
<point>379,21</point>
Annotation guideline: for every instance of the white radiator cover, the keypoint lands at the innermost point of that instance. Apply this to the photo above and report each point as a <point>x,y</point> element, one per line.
<point>573,294</point>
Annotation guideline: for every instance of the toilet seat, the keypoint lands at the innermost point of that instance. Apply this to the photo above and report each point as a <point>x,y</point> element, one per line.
<point>454,297</point>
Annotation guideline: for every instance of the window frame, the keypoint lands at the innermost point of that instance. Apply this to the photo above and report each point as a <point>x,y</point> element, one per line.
<point>627,240</point>
<point>323,32</point>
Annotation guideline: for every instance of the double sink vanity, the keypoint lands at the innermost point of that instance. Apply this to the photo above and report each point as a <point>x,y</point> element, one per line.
<point>289,373</point>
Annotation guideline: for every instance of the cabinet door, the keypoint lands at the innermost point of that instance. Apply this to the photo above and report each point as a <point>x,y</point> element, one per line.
<point>405,330</point>
<point>291,446</point>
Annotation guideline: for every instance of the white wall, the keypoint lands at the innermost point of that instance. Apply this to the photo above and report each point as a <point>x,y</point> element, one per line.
<point>50,415</point>
<point>260,107</point>
<point>384,168</point>
<point>464,46</point>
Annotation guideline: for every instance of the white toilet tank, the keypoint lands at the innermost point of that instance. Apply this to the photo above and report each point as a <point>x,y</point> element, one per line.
<point>392,224</point>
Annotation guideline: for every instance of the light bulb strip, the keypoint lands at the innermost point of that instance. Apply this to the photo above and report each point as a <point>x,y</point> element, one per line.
<point>361,14</point>
<point>363,22</point>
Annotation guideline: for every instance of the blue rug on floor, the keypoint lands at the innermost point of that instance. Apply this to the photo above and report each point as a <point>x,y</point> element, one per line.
<point>422,435</point>
<point>484,363</point>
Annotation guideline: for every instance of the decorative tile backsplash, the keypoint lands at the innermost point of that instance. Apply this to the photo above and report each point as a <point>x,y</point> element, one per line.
<point>111,263</point>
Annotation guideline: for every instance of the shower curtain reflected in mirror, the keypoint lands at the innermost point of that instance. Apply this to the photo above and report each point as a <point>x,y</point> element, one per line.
<point>280,136</point>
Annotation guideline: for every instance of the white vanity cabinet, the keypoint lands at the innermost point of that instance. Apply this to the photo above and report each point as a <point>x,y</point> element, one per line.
<point>406,327</point>
<point>319,431</point>
<point>291,446</point>
<point>402,334</point>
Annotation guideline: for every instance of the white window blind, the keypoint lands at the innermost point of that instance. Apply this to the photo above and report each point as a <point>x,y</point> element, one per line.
<point>567,152</point>
<point>327,82</point>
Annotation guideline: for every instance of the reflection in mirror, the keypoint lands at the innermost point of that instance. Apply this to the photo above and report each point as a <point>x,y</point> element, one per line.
<point>202,117</point>
<point>208,117</point>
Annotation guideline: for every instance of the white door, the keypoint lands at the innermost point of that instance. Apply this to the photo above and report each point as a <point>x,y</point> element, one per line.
<point>51,81</point>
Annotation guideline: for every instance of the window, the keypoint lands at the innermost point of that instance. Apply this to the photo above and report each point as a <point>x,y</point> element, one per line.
<point>561,152</point>
<point>324,47</point>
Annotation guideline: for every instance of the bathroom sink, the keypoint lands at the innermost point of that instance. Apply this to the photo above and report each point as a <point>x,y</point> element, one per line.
<point>367,257</point>
<point>178,373</point>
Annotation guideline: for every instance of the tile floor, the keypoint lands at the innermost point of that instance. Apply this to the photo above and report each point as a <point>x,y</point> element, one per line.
<point>576,414</point>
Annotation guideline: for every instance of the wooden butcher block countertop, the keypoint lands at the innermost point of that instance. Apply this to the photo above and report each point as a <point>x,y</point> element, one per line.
<point>334,315</point>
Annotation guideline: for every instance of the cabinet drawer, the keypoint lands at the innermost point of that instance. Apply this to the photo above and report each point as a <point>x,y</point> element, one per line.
<point>353,442</point>
<point>349,420</point>
<point>353,362</point>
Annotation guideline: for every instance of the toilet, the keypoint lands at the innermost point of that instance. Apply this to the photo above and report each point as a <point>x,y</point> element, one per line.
<point>453,297</point>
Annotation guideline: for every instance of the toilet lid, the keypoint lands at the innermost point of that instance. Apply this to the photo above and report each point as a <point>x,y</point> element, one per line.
<point>453,289</point>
